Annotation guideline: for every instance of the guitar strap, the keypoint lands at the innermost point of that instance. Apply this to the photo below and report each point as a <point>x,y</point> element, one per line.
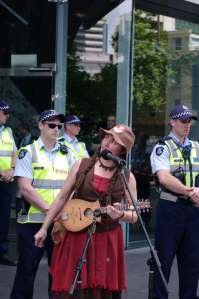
<point>83,174</point>
<point>58,230</point>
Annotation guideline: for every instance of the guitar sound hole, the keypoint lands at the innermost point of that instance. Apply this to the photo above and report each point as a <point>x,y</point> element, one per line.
<point>88,212</point>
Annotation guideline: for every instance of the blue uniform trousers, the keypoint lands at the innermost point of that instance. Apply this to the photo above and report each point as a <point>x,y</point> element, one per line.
<point>177,234</point>
<point>29,259</point>
<point>5,208</point>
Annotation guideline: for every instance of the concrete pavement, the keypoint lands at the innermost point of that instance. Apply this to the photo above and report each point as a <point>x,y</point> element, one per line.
<point>137,273</point>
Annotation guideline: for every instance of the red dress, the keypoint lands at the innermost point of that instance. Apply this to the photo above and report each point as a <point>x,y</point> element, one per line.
<point>105,266</point>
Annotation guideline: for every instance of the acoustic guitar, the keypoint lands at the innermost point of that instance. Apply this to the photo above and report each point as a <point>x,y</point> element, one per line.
<point>78,214</point>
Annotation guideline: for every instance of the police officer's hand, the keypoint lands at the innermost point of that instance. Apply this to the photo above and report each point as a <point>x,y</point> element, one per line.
<point>7,175</point>
<point>40,237</point>
<point>194,196</point>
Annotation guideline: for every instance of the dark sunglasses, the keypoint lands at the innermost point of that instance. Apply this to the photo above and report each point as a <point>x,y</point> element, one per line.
<point>186,121</point>
<point>53,126</point>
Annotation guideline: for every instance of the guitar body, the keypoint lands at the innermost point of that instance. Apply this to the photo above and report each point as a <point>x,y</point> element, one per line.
<point>77,214</point>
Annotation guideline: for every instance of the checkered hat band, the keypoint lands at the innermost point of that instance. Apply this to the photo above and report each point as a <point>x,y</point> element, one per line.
<point>49,116</point>
<point>4,107</point>
<point>179,115</point>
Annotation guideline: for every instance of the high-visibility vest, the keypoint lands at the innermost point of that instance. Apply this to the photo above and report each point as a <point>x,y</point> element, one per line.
<point>82,149</point>
<point>48,180</point>
<point>6,149</point>
<point>179,165</point>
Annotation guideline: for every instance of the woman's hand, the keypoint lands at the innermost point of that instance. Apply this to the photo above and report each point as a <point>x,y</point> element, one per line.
<point>114,211</point>
<point>40,237</point>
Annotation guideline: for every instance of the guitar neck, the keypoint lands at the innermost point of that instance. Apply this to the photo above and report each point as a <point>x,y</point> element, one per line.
<point>141,205</point>
<point>103,210</point>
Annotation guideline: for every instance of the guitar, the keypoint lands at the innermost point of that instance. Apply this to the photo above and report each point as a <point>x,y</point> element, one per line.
<point>77,214</point>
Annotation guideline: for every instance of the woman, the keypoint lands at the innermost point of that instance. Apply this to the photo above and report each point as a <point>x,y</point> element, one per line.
<point>91,179</point>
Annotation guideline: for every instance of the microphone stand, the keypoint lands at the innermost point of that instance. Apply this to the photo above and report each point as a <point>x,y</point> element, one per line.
<point>121,163</point>
<point>82,259</point>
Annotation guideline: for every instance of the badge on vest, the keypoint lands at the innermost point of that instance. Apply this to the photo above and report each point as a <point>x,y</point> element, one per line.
<point>63,149</point>
<point>159,150</point>
<point>22,153</point>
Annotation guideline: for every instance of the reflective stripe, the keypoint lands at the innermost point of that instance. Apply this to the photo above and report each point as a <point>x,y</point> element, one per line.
<point>195,168</point>
<point>9,132</point>
<point>6,153</point>
<point>48,184</point>
<point>172,148</point>
<point>174,198</point>
<point>196,146</point>
<point>35,217</point>
<point>168,196</point>
<point>34,153</point>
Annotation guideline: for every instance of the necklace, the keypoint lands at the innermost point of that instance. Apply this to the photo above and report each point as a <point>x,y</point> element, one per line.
<point>109,168</point>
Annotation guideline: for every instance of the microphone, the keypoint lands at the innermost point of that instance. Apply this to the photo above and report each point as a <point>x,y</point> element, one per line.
<point>97,213</point>
<point>107,155</point>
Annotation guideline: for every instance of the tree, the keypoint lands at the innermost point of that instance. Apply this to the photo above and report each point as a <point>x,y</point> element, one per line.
<point>91,97</point>
<point>150,63</point>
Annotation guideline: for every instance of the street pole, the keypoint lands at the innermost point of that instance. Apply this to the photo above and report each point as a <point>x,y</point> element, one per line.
<point>60,85</point>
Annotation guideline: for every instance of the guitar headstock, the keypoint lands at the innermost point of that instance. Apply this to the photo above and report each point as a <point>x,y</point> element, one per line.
<point>144,205</point>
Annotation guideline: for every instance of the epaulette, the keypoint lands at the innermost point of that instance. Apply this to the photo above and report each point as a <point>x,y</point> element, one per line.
<point>162,140</point>
<point>61,139</point>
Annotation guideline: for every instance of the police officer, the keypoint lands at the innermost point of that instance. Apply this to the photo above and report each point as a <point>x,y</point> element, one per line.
<point>175,161</point>
<point>41,169</point>
<point>72,129</point>
<point>7,164</point>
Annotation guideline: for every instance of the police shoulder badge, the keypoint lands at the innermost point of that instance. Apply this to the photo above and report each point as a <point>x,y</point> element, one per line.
<point>22,153</point>
<point>159,150</point>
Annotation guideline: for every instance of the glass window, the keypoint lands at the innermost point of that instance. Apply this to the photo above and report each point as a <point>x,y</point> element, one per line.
<point>163,77</point>
<point>178,43</point>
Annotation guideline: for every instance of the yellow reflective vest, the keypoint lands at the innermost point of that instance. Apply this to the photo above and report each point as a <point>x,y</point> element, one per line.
<point>6,148</point>
<point>180,166</point>
<point>48,180</point>
<point>77,155</point>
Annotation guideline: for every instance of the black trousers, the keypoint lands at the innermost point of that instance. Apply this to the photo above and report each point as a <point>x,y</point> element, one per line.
<point>29,259</point>
<point>177,235</point>
<point>5,207</point>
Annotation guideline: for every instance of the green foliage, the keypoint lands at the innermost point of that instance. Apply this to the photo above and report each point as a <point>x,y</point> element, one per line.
<point>93,97</point>
<point>150,63</point>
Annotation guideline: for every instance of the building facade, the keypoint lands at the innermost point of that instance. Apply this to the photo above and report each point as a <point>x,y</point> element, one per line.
<point>129,59</point>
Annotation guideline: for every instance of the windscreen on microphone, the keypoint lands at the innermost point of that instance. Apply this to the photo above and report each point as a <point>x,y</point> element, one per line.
<point>105,154</point>
<point>97,213</point>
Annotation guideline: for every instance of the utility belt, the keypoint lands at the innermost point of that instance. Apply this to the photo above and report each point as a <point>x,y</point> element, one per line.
<point>175,198</point>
